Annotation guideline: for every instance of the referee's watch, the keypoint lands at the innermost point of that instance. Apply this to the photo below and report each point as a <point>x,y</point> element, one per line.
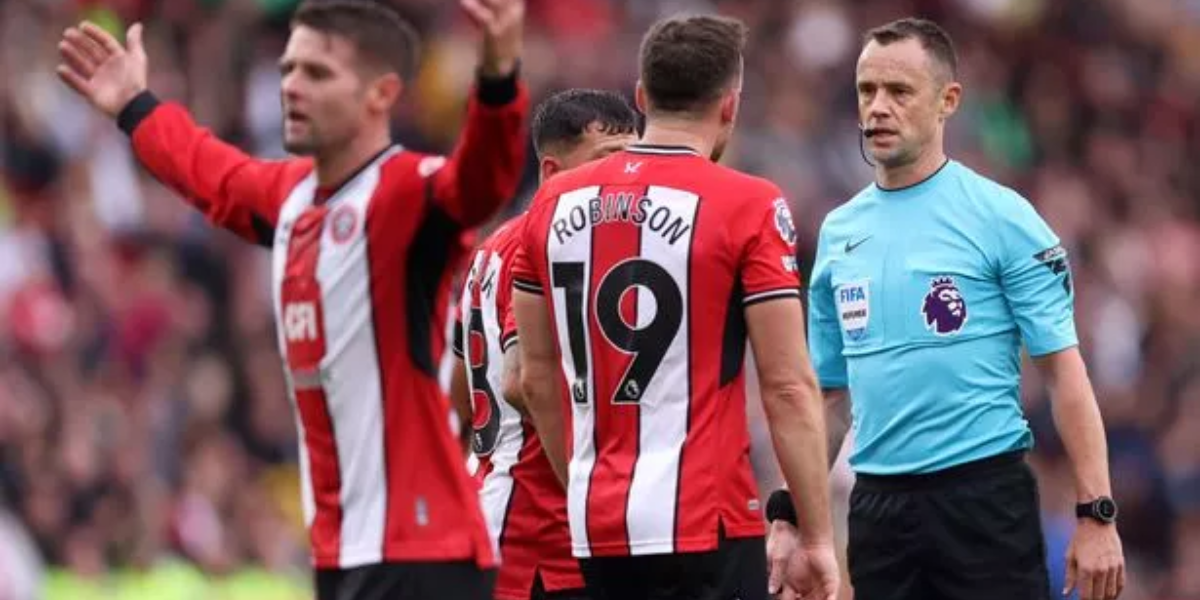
<point>1102,509</point>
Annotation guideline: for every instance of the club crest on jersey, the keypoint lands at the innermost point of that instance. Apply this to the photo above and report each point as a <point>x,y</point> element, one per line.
<point>944,308</point>
<point>784,223</point>
<point>343,223</point>
<point>854,308</point>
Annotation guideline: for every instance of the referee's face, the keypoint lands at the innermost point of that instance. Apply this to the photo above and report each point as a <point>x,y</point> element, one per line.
<point>898,99</point>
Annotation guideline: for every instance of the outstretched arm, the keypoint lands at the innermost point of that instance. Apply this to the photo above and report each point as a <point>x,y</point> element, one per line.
<point>233,190</point>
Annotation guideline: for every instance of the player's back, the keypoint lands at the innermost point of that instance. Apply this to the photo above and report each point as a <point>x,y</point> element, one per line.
<point>523,502</point>
<point>647,259</point>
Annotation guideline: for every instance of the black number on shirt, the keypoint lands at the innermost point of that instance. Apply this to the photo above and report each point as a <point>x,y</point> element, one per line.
<point>648,344</point>
<point>486,427</point>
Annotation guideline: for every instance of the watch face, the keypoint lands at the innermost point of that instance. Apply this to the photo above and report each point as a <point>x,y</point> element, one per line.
<point>1106,509</point>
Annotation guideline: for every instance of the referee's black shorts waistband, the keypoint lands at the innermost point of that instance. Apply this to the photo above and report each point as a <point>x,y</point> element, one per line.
<point>974,470</point>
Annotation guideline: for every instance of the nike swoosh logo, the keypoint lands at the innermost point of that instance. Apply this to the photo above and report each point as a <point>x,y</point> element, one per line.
<point>851,246</point>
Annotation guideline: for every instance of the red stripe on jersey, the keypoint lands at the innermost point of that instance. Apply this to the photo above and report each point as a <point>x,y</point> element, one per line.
<point>304,332</point>
<point>535,538</point>
<point>326,531</point>
<point>618,424</point>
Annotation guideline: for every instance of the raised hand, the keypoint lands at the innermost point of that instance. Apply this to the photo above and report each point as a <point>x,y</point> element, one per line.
<point>100,69</point>
<point>502,23</point>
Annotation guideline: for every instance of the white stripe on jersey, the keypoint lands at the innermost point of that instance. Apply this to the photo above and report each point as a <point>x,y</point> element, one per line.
<point>663,406</point>
<point>577,249</point>
<point>350,371</point>
<point>497,488</point>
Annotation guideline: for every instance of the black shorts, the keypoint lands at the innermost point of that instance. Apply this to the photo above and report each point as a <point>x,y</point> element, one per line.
<point>736,570</point>
<point>407,581</point>
<point>970,532</point>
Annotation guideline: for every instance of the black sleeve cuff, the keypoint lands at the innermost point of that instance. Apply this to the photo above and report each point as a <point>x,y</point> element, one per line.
<point>497,91</point>
<point>780,507</point>
<point>136,111</point>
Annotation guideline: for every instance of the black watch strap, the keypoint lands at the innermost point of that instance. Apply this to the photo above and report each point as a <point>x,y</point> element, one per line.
<point>1102,509</point>
<point>780,507</point>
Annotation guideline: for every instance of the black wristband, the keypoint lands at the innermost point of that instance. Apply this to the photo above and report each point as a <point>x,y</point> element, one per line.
<point>136,111</point>
<point>497,91</point>
<point>780,507</point>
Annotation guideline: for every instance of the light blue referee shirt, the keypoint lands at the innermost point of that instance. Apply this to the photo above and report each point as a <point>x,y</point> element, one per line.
<point>920,299</point>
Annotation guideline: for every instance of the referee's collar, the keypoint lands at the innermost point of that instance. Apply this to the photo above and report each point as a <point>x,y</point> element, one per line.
<point>662,149</point>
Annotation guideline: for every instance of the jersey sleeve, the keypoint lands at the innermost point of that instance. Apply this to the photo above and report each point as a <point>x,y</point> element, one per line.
<point>824,332</point>
<point>1036,278</point>
<point>508,323</point>
<point>768,263</point>
<point>233,190</point>
<point>485,168</point>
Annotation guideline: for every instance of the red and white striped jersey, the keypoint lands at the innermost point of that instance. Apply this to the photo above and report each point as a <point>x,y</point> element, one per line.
<point>361,283</point>
<point>647,260</point>
<point>523,502</point>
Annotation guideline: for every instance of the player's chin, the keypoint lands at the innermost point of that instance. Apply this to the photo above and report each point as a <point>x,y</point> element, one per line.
<point>299,145</point>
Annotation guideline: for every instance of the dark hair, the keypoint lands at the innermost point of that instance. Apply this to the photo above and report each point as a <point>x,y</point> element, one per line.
<point>933,39</point>
<point>688,62</point>
<point>377,31</point>
<point>561,119</point>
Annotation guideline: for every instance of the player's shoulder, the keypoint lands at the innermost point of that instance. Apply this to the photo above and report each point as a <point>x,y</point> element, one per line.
<point>406,161</point>
<point>752,187</point>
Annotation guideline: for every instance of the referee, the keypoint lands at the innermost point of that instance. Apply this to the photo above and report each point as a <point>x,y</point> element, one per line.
<point>925,286</point>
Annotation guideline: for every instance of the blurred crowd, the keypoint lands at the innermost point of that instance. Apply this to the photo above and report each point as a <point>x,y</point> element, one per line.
<point>143,420</point>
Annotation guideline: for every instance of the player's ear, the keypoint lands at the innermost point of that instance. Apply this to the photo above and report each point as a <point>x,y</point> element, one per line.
<point>639,97</point>
<point>548,167</point>
<point>384,92</point>
<point>729,106</point>
<point>951,97</point>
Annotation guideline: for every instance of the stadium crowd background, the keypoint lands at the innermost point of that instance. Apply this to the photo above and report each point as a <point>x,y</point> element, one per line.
<point>146,446</point>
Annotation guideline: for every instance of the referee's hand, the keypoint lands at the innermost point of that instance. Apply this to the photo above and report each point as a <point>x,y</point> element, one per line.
<point>1095,562</point>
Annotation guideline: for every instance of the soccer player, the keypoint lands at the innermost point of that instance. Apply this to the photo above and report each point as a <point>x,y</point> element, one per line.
<point>524,504</point>
<point>363,235</point>
<point>646,271</point>
<point>924,288</point>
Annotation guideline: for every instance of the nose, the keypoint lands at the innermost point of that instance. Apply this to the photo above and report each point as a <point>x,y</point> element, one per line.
<point>879,108</point>
<point>290,87</point>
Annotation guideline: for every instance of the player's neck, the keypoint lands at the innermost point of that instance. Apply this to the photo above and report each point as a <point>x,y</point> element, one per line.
<point>679,133</point>
<point>894,178</point>
<point>337,165</point>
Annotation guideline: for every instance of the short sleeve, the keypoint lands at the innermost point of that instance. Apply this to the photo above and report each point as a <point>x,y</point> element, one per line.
<point>524,276</point>
<point>1035,275</point>
<point>508,331</point>
<point>824,332</point>
<point>768,266</point>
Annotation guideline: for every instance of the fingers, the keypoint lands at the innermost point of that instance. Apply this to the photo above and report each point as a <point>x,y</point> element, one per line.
<point>1110,584</point>
<point>482,14</point>
<point>102,38</point>
<point>1072,574</point>
<point>775,575</point>
<point>76,60</point>
<point>133,39</point>
<point>73,80</point>
<point>86,45</point>
<point>1120,578</point>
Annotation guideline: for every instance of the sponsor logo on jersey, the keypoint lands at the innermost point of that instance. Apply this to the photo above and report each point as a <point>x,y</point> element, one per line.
<point>944,308</point>
<point>783,222</point>
<point>1055,259</point>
